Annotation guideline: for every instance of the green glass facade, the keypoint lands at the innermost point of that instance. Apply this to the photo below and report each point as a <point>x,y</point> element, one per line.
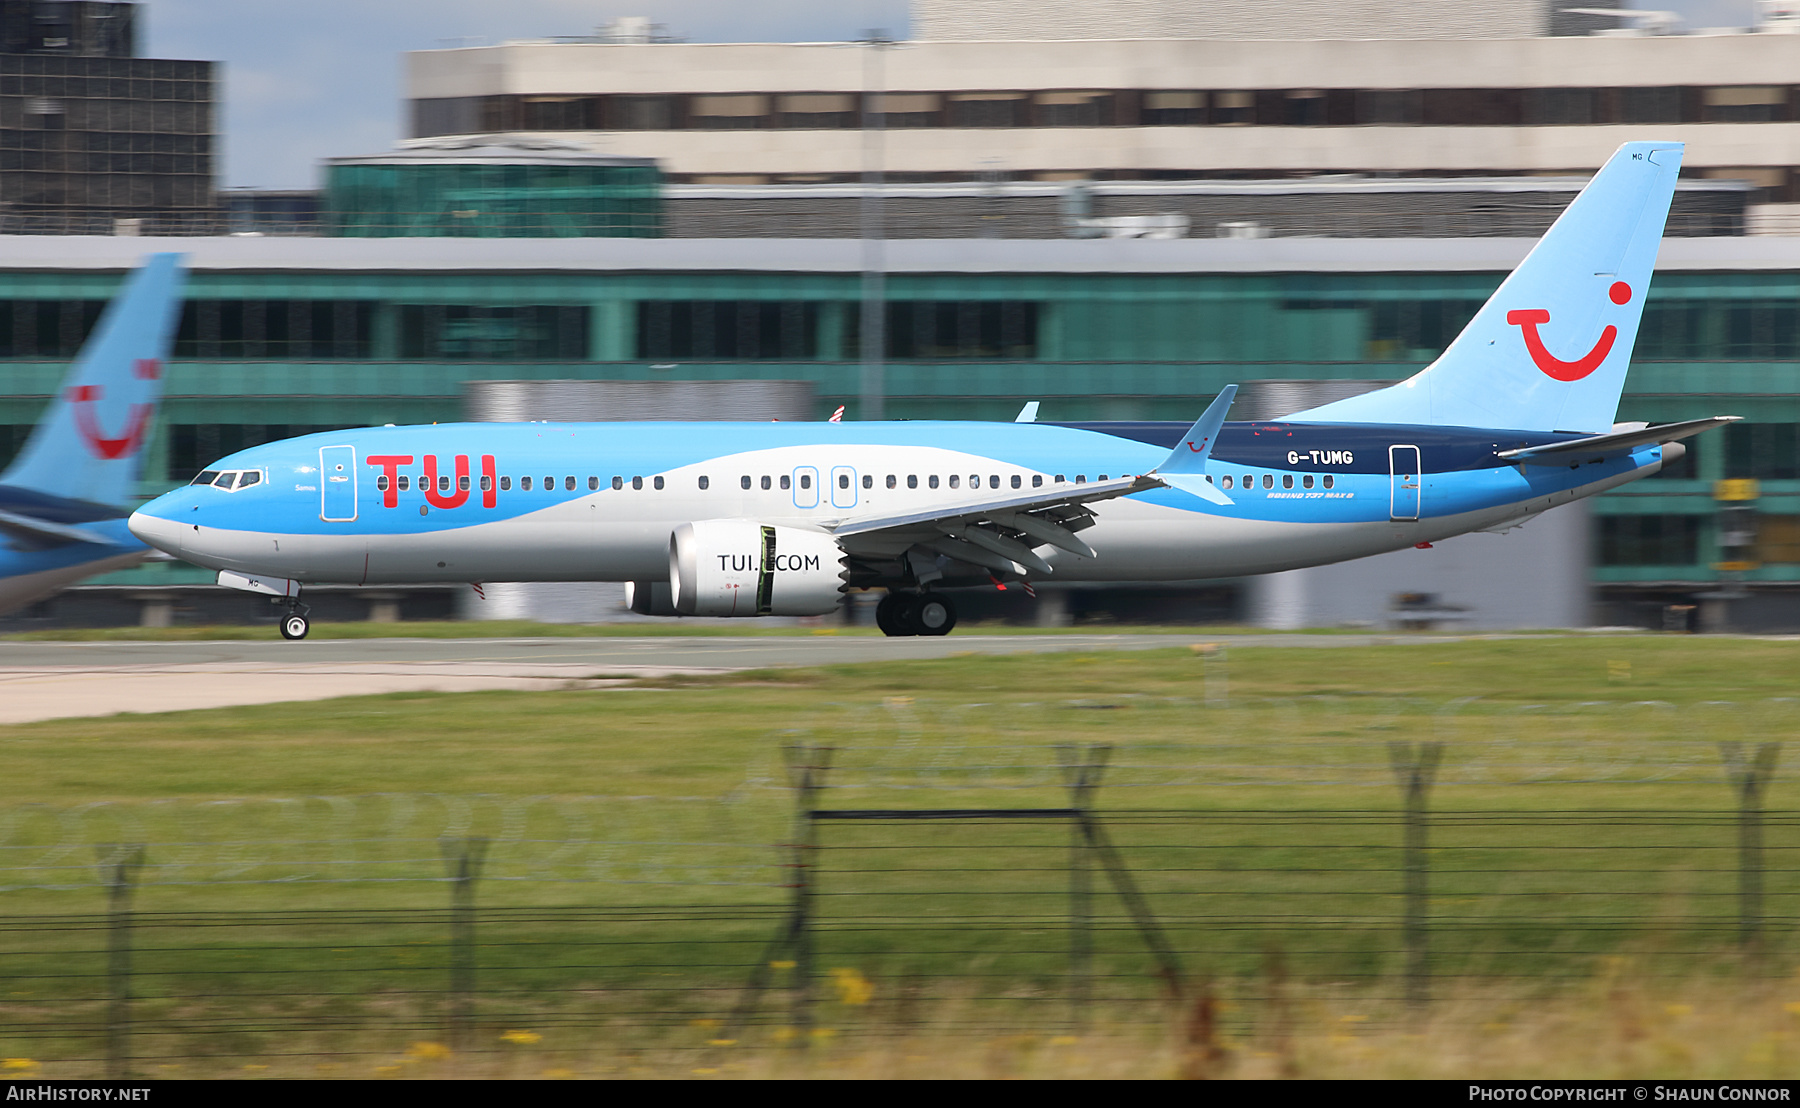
<point>375,200</point>
<point>264,355</point>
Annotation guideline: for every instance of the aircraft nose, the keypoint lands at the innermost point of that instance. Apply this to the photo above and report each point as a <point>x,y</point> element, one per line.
<point>164,534</point>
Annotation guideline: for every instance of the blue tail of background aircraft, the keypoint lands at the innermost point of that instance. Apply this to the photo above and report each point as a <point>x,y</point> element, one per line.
<point>63,502</point>
<point>1549,350</point>
<point>89,445</point>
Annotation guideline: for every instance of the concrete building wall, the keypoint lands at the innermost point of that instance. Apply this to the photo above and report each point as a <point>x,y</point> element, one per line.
<point>953,20</point>
<point>1533,576</point>
<point>574,69</point>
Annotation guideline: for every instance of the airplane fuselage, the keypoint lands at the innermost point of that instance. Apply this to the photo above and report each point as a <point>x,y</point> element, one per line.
<point>598,501</point>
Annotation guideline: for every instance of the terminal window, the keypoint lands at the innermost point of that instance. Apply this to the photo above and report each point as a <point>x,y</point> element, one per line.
<point>1649,540</point>
<point>927,329</point>
<point>500,333</point>
<point>276,329</point>
<point>737,329</point>
<point>1767,451</point>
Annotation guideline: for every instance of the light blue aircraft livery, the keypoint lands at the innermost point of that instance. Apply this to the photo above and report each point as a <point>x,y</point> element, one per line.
<point>63,501</point>
<point>755,519</point>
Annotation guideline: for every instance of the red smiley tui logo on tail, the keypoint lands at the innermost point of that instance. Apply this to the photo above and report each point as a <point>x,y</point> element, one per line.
<point>83,397</point>
<point>1527,321</point>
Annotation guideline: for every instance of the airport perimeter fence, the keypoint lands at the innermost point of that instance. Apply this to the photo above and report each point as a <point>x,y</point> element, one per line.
<point>933,877</point>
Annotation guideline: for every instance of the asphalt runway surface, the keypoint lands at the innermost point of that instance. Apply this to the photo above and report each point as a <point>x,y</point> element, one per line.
<point>51,680</point>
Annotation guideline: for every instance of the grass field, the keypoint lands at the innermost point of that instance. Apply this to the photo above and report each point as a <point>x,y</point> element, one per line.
<point>293,870</point>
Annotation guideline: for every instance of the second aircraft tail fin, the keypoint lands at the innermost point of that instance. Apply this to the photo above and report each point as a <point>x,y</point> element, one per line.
<point>90,443</point>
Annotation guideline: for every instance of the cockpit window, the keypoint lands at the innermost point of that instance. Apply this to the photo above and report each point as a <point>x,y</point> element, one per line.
<point>230,479</point>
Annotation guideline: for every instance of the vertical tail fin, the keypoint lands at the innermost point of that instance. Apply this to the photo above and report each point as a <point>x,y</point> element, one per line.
<point>1549,350</point>
<point>89,445</point>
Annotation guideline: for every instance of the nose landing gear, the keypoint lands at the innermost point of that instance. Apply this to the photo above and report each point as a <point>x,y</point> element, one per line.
<point>294,624</point>
<point>911,613</point>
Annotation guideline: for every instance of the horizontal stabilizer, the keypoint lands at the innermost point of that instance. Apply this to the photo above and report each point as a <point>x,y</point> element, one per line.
<point>42,533</point>
<point>1560,453</point>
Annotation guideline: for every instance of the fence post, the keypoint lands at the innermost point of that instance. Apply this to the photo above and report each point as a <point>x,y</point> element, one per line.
<point>462,860</point>
<point>1415,766</point>
<point>1750,777</point>
<point>1081,770</point>
<point>119,865</point>
<point>1217,674</point>
<point>806,767</point>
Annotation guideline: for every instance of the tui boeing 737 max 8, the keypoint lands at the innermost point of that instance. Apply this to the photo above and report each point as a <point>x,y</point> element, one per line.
<point>752,519</point>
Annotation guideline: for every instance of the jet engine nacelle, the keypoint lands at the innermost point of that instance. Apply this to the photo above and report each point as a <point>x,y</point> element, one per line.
<point>737,567</point>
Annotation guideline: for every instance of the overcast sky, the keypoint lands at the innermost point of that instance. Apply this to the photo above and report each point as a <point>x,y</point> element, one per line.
<point>321,78</point>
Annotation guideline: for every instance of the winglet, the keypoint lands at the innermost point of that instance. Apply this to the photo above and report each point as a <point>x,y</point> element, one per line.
<point>1185,467</point>
<point>1027,414</point>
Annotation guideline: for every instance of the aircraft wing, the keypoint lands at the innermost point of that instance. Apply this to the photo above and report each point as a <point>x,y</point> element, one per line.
<point>39,533</point>
<point>1561,453</point>
<point>997,532</point>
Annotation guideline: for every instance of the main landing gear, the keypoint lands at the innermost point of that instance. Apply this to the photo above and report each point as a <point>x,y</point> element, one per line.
<point>293,624</point>
<point>912,613</point>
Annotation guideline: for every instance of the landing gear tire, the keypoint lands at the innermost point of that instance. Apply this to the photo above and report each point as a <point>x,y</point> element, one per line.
<point>294,627</point>
<point>931,614</point>
<point>890,614</point>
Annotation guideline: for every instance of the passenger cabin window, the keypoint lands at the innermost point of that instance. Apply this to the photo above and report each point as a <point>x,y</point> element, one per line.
<point>1037,480</point>
<point>1226,481</point>
<point>704,483</point>
<point>1081,478</point>
<point>568,483</point>
<point>1059,478</point>
<point>505,484</point>
<point>843,480</point>
<point>1016,482</point>
<point>912,480</point>
<point>1328,480</point>
<point>593,484</point>
<point>955,480</point>
<point>1306,482</point>
<point>381,482</point>
<point>637,482</point>
<point>444,483</point>
<point>462,483</point>
<point>618,482</point>
<point>405,482</point>
<point>868,481</point>
<point>487,483</point>
<point>1268,480</point>
<point>1287,480</point>
<point>931,481</point>
<point>1249,480</point>
<point>657,483</point>
<point>549,484</point>
<point>785,481</point>
<point>993,481</point>
<point>806,480</point>
<point>525,483</point>
<point>765,484</point>
<point>892,481</point>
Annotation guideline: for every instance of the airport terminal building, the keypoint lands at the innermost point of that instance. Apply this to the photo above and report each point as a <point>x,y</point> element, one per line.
<point>282,336</point>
